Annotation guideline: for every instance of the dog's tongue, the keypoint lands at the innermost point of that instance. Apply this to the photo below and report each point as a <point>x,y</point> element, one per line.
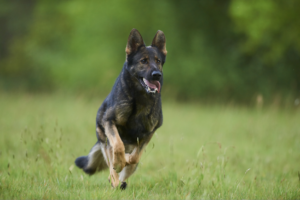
<point>153,84</point>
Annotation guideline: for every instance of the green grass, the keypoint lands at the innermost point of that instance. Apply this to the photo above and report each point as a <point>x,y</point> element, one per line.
<point>209,152</point>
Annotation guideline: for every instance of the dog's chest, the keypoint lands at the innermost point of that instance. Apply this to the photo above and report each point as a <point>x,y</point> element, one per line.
<point>140,125</point>
<point>144,122</point>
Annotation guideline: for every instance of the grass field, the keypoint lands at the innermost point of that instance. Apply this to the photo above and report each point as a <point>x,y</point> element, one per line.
<point>201,152</point>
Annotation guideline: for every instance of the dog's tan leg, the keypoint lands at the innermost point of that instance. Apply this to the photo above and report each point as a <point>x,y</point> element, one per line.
<point>135,155</point>
<point>113,177</point>
<point>126,172</point>
<point>118,150</point>
<point>132,161</point>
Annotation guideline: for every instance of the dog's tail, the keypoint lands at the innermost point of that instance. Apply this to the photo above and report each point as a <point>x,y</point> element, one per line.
<point>93,162</point>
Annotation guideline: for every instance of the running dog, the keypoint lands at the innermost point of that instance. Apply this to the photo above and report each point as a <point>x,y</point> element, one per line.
<point>131,113</point>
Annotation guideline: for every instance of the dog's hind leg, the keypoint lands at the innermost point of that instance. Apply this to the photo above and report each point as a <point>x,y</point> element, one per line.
<point>93,162</point>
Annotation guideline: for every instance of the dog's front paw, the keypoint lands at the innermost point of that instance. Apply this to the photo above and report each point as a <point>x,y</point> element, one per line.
<point>119,161</point>
<point>123,185</point>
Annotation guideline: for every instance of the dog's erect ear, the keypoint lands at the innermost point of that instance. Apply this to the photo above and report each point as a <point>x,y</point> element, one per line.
<point>159,41</point>
<point>135,40</point>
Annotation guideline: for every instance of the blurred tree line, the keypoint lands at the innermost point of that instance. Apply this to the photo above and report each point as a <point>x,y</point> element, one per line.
<point>221,50</point>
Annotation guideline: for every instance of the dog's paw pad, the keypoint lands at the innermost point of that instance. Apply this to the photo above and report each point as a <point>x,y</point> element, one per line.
<point>123,186</point>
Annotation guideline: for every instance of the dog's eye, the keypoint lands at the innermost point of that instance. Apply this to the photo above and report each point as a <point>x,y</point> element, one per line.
<point>158,61</point>
<point>144,61</point>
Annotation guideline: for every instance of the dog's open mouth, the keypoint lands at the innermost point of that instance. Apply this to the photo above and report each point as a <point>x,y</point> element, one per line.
<point>150,86</point>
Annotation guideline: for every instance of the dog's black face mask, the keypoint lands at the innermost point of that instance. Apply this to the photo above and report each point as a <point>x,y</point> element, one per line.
<point>145,64</point>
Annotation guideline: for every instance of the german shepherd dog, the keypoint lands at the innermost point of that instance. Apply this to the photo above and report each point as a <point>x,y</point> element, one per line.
<point>131,113</point>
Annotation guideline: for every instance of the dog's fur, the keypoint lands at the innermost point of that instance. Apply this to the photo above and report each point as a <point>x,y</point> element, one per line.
<point>131,113</point>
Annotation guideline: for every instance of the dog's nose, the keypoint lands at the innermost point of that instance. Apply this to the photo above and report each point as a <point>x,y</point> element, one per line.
<point>156,75</point>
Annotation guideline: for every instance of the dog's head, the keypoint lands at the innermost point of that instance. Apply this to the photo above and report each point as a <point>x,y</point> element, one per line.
<point>145,63</point>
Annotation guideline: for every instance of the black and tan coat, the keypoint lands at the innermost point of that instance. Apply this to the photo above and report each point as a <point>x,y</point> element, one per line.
<point>131,113</point>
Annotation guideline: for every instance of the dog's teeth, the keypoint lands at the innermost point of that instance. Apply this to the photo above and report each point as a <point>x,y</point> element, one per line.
<point>153,91</point>
<point>148,88</point>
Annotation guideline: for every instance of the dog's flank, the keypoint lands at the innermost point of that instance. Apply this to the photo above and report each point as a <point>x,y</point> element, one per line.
<point>130,114</point>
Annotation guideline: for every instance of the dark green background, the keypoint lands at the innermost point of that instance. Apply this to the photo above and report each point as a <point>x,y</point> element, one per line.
<point>218,50</point>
